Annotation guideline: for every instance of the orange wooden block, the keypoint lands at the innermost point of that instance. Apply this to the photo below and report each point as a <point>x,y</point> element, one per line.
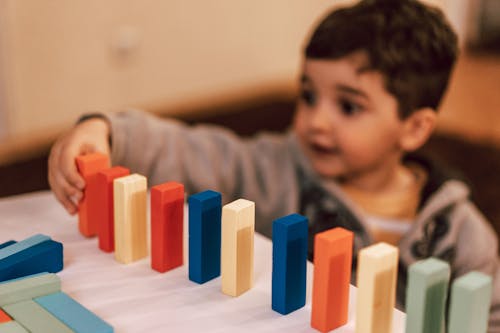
<point>105,215</point>
<point>332,275</point>
<point>4,317</point>
<point>167,218</point>
<point>88,166</point>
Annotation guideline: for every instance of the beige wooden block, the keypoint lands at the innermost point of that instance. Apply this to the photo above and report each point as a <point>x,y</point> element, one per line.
<point>376,282</point>
<point>238,225</point>
<point>130,202</point>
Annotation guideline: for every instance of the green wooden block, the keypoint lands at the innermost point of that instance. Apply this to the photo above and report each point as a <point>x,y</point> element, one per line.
<point>426,296</point>
<point>470,303</point>
<point>21,289</point>
<point>35,318</point>
<point>12,327</point>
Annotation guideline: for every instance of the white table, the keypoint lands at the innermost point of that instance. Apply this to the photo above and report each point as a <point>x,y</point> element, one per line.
<point>134,298</point>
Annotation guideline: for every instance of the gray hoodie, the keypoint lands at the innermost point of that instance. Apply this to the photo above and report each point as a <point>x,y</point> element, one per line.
<point>271,170</point>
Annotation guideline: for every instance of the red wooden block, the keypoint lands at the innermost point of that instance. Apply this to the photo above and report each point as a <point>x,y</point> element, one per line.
<point>88,166</point>
<point>105,215</point>
<point>332,273</point>
<point>167,218</point>
<point>4,317</point>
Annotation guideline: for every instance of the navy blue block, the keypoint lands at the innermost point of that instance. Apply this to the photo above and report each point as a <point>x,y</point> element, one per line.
<point>205,210</point>
<point>46,256</point>
<point>7,244</point>
<point>289,263</point>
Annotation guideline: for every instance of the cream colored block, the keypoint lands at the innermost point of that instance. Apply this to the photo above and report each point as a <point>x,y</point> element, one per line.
<point>376,282</point>
<point>130,202</point>
<point>238,225</point>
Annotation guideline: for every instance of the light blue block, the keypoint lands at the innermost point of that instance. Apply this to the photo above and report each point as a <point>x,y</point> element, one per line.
<point>22,245</point>
<point>73,314</point>
<point>8,243</point>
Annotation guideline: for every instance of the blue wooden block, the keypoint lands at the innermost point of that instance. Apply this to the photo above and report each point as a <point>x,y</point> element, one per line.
<point>205,210</point>
<point>73,314</point>
<point>7,244</point>
<point>46,256</point>
<point>22,245</point>
<point>289,263</point>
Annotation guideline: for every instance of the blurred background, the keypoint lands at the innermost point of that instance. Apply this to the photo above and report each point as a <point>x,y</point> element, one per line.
<point>229,62</point>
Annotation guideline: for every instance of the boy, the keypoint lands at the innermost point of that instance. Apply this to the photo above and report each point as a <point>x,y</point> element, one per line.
<point>372,78</point>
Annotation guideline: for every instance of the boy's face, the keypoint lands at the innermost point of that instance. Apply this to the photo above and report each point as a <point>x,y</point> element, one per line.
<point>346,121</point>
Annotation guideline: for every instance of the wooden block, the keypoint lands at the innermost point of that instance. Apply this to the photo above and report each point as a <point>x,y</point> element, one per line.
<point>167,226</point>
<point>376,281</point>
<point>88,208</point>
<point>4,317</point>
<point>73,314</point>
<point>289,263</point>
<point>130,200</point>
<point>35,318</point>
<point>238,225</point>
<point>8,243</point>
<point>12,327</point>
<point>105,215</point>
<point>470,303</point>
<point>332,275</point>
<point>46,256</point>
<point>426,295</point>
<point>22,245</point>
<point>28,287</point>
<point>205,210</point>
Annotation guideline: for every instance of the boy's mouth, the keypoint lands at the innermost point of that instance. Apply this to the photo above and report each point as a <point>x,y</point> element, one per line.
<point>324,150</point>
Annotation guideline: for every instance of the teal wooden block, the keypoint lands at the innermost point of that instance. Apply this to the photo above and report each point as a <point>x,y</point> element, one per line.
<point>12,327</point>
<point>22,245</point>
<point>8,243</point>
<point>73,314</point>
<point>32,286</point>
<point>35,318</point>
<point>470,303</point>
<point>46,256</point>
<point>426,295</point>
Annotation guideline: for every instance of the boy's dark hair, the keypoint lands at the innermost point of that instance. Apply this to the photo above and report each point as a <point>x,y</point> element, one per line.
<point>410,43</point>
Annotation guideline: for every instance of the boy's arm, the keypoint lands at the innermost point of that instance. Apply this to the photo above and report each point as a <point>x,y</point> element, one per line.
<point>206,157</point>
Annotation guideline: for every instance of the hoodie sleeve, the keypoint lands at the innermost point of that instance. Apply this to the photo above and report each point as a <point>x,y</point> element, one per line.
<point>207,157</point>
<point>477,250</point>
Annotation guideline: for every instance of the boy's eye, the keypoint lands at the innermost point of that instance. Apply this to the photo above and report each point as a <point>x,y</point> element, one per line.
<point>309,97</point>
<point>349,108</point>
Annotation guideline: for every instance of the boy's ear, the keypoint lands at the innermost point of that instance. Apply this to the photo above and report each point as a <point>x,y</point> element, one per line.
<point>417,128</point>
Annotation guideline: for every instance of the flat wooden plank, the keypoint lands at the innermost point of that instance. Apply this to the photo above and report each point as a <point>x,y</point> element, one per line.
<point>73,314</point>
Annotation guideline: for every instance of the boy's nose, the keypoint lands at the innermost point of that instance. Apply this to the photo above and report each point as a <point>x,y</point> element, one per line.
<point>321,119</point>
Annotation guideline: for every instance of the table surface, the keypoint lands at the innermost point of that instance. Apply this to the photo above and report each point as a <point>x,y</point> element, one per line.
<point>134,298</point>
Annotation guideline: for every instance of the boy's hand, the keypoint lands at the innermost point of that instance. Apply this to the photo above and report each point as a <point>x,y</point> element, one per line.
<point>87,137</point>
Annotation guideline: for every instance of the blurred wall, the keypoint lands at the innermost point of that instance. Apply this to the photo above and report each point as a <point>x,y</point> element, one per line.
<point>59,58</point>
